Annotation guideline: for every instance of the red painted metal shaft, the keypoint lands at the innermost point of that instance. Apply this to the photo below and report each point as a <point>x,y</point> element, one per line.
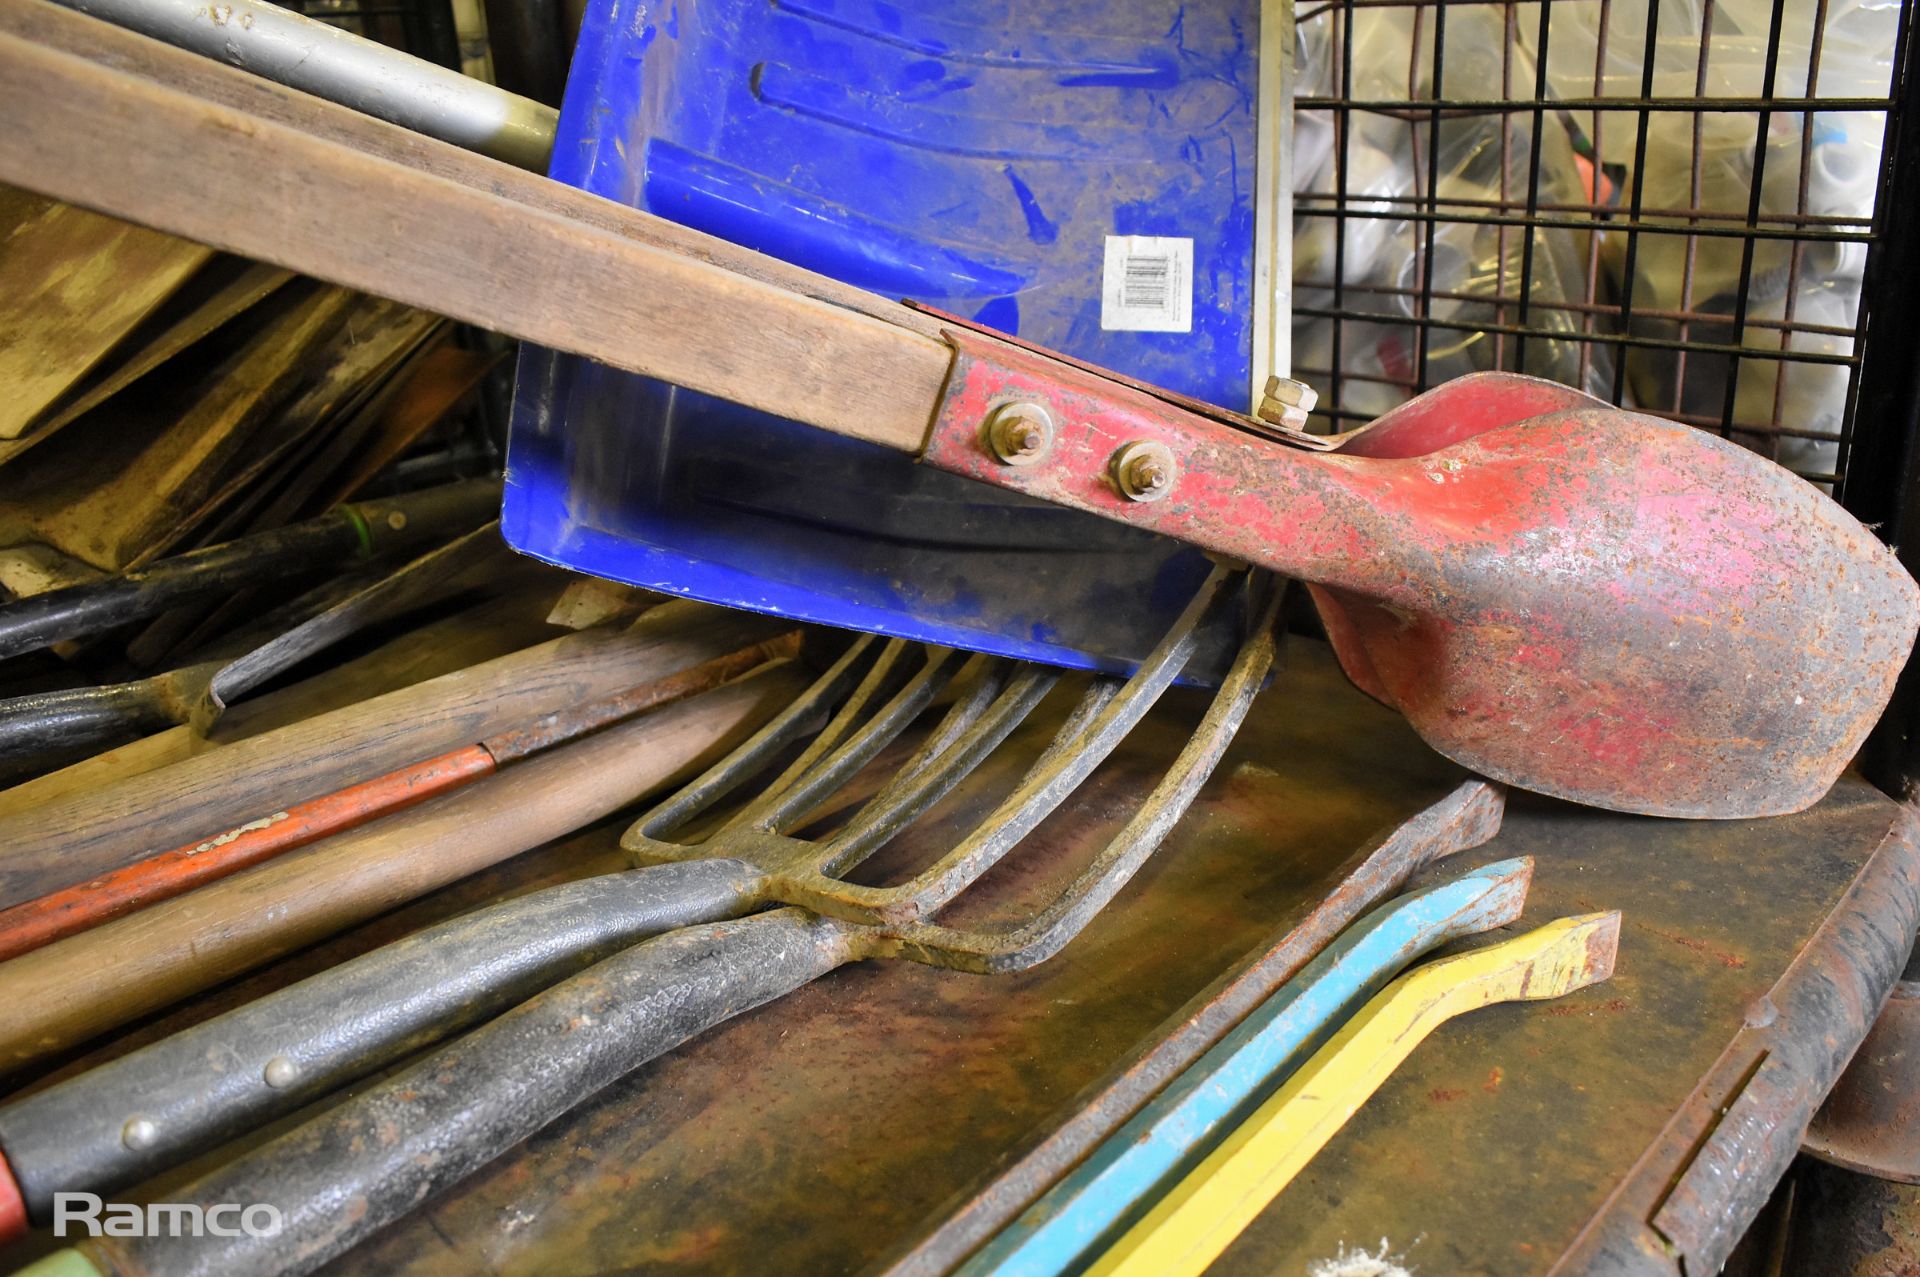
<point>63,913</point>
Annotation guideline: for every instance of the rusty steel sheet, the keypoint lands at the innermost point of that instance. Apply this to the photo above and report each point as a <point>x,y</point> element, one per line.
<point>832,1131</point>
<point>1871,1122</point>
<point>1752,960</point>
<point>1588,603</point>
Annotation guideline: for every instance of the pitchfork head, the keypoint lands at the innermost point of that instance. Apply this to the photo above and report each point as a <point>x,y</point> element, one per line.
<point>869,697</point>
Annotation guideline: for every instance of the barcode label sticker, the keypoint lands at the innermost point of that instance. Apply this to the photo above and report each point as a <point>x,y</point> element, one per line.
<point>1146,285</point>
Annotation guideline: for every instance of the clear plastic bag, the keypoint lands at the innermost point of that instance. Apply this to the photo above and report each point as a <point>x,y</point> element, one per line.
<point>1685,280</point>
<point>1707,162</point>
<point>1482,163</point>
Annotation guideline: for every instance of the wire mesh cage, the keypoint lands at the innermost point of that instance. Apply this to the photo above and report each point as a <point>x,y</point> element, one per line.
<point>1668,203</point>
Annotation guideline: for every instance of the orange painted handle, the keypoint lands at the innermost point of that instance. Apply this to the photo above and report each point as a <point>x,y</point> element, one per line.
<point>63,913</point>
<point>53,917</point>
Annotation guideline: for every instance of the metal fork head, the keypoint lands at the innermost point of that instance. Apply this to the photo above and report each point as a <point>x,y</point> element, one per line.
<point>871,694</point>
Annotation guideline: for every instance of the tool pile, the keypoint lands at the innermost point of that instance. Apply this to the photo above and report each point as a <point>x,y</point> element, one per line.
<point>173,465</point>
<point>297,948</point>
<point>753,906</point>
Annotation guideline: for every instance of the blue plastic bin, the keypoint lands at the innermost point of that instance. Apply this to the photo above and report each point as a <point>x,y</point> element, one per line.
<point>973,156</point>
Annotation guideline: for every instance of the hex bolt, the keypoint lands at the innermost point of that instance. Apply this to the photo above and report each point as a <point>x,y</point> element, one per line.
<point>1019,433</point>
<point>281,1072</point>
<point>139,1133</point>
<point>1144,471</point>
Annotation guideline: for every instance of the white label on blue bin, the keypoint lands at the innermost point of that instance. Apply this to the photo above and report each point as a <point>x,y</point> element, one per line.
<point>1147,284</point>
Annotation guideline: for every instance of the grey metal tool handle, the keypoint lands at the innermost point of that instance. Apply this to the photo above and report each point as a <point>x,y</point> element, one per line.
<point>57,724</point>
<point>355,530</point>
<point>381,1154</point>
<point>135,1116</point>
<point>324,60</point>
<point>429,578</point>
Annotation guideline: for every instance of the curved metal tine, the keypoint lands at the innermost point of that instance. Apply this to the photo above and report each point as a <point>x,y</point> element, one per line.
<point>1015,948</point>
<point>980,681</point>
<point>817,773</point>
<point>932,774</point>
<point>1046,787</point>
<point>1098,694</point>
<point>751,754</point>
<point>879,678</point>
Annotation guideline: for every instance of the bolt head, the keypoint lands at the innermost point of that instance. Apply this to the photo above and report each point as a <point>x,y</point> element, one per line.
<point>1287,402</point>
<point>139,1133</point>
<point>280,1072</point>
<point>1293,394</point>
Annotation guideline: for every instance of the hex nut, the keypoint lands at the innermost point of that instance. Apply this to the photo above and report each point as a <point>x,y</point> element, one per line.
<point>1294,394</point>
<point>1287,402</point>
<point>1143,470</point>
<point>1019,433</point>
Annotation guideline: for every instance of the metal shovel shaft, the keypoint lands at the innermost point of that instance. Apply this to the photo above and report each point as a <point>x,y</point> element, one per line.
<point>290,48</point>
<point>348,532</point>
<point>433,1124</point>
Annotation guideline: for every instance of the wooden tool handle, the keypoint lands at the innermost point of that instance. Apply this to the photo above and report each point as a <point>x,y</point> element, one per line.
<point>92,982</point>
<point>88,834</point>
<point>450,243</point>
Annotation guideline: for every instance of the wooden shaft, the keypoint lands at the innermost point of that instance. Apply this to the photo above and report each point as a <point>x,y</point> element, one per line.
<point>88,984</point>
<point>71,910</point>
<point>237,180</point>
<point>497,626</point>
<point>85,835</point>
<point>67,912</point>
<point>122,51</point>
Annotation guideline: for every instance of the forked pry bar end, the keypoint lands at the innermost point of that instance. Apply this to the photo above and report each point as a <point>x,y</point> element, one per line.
<point>1550,961</point>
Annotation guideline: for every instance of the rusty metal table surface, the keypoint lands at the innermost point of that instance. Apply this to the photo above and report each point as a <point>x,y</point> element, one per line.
<point>823,1133</point>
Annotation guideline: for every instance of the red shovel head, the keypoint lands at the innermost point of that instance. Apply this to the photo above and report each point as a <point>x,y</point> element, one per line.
<point>1570,598</point>
<point>1616,609</point>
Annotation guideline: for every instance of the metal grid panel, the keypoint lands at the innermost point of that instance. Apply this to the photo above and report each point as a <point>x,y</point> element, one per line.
<point>1669,203</point>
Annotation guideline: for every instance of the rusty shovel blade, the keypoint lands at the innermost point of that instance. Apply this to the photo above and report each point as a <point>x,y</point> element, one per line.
<point>1619,610</point>
<point>1571,598</point>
